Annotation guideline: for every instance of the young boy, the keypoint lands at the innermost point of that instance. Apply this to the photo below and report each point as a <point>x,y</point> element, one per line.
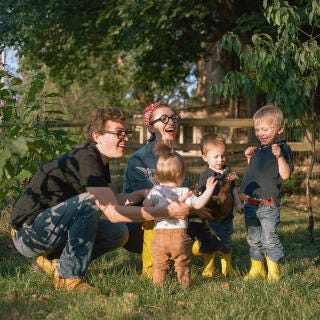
<point>270,162</point>
<point>221,203</point>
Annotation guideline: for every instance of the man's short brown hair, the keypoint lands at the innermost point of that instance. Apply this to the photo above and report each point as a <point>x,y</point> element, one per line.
<point>98,118</point>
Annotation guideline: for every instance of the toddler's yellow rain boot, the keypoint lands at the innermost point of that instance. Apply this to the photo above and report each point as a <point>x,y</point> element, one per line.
<point>208,271</point>
<point>257,270</point>
<point>226,265</point>
<point>273,270</point>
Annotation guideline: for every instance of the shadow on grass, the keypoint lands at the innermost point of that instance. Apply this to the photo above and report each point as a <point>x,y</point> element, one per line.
<point>10,259</point>
<point>293,235</point>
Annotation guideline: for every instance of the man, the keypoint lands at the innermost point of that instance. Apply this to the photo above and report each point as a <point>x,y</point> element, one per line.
<point>58,216</point>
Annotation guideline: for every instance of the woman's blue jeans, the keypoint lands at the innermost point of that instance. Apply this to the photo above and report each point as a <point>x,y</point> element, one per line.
<point>72,231</point>
<point>262,228</point>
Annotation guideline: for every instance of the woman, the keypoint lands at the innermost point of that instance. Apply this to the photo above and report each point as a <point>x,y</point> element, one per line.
<point>162,123</point>
<point>59,212</point>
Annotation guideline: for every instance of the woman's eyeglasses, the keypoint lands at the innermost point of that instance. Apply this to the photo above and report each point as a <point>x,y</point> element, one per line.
<point>165,119</point>
<point>121,134</point>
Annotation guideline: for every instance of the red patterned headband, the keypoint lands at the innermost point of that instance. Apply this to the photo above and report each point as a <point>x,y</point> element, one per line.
<point>148,111</point>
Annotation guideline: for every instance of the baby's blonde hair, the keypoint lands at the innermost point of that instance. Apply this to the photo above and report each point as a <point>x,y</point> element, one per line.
<point>170,166</point>
<point>211,139</point>
<point>270,112</point>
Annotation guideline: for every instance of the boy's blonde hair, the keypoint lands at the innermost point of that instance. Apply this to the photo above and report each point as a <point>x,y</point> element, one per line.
<point>170,166</point>
<point>271,113</point>
<point>211,139</point>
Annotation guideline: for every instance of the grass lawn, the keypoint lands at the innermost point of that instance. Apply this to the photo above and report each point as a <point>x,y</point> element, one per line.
<point>26,294</point>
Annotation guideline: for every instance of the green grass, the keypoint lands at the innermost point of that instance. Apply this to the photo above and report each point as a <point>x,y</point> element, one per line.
<point>26,294</point>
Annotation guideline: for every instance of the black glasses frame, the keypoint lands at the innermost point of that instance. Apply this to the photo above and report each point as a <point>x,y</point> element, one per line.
<point>165,119</point>
<point>121,134</point>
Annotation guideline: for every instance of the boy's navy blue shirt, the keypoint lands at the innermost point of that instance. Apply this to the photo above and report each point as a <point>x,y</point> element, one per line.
<point>262,179</point>
<point>208,172</point>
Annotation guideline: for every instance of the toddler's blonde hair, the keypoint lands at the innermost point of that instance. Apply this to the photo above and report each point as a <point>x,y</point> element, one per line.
<point>170,166</point>
<point>211,139</point>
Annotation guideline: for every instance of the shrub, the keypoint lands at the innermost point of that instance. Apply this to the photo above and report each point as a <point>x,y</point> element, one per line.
<point>27,140</point>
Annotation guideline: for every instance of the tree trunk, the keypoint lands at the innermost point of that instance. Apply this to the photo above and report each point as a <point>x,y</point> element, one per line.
<point>311,138</point>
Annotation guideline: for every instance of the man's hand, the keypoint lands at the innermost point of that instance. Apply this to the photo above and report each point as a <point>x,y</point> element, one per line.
<point>179,209</point>
<point>203,213</point>
<point>134,198</point>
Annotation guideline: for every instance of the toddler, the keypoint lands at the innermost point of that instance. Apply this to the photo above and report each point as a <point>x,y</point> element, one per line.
<point>221,203</point>
<point>171,240</point>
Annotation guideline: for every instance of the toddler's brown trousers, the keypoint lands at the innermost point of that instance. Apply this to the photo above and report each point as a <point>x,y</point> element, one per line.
<point>175,244</point>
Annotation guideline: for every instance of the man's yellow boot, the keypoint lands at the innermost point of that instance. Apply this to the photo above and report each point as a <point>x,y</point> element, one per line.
<point>273,270</point>
<point>257,270</point>
<point>226,265</point>
<point>77,284</point>
<point>208,271</point>
<point>13,233</point>
<point>147,261</point>
<point>48,266</point>
<point>196,248</point>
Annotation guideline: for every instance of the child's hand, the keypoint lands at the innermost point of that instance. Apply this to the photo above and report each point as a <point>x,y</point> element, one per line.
<point>249,152</point>
<point>211,183</point>
<point>240,207</point>
<point>276,150</point>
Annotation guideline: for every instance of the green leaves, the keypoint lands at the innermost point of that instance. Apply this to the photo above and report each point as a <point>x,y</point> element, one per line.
<point>140,49</point>
<point>231,42</point>
<point>283,68</point>
<point>26,141</point>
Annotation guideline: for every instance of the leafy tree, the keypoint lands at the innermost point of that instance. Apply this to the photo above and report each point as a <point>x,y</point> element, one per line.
<point>27,141</point>
<point>285,69</point>
<point>154,45</point>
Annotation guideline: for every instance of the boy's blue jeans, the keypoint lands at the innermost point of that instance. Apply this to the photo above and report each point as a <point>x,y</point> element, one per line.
<point>224,230</point>
<point>262,228</point>
<point>72,231</point>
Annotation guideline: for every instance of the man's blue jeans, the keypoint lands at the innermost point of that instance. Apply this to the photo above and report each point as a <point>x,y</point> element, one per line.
<point>72,231</point>
<point>262,227</point>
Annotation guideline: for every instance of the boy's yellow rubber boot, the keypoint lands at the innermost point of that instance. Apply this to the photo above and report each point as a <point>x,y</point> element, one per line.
<point>147,261</point>
<point>257,270</point>
<point>208,271</point>
<point>226,265</point>
<point>273,270</point>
